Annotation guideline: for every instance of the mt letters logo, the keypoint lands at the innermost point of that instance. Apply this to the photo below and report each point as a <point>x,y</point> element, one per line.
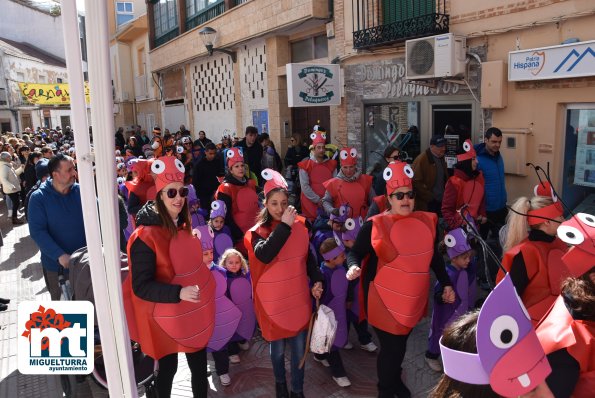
<point>56,337</point>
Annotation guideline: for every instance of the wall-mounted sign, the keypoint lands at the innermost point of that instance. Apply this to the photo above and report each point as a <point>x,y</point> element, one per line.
<point>313,85</point>
<point>49,94</point>
<point>556,62</point>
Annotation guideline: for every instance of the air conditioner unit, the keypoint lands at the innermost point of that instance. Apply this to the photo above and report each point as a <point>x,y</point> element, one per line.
<point>435,57</point>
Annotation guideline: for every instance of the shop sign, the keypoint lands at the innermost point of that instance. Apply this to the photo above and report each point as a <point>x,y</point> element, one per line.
<point>556,62</point>
<point>49,94</point>
<point>313,85</point>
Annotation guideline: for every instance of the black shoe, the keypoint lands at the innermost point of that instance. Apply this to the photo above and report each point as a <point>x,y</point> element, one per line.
<point>281,390</point>
<point>297,395</point>
<point>402,391</point>
<point>3,307</point>
<point>4,301</point>
<point>16,221</point>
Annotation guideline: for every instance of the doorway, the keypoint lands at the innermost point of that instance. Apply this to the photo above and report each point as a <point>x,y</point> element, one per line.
<point>458,116</point>
<point>304,119</point>
<point>26,120</point>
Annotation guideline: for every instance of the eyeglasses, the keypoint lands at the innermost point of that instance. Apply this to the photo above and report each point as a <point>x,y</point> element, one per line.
<point>401,195</point>
<point>172,192</point>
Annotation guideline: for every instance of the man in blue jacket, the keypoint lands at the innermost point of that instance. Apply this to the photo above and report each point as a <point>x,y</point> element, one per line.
<point>55,216</point>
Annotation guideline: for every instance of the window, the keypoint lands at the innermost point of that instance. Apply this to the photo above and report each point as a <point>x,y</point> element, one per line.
<point>59,80</point>
<point>196,6</point>
<point>20,76</point>
<point>42,79</point>
<point>310,48</point>
<point>397,11</point>
<point>123,12</point>
<point>165,17</point>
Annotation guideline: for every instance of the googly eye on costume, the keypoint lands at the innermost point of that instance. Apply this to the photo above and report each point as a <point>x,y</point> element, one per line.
<point>229,153</point>
<point>570,235</point>
<point>120,166</point>
<point>587,219</point>
<point>323,135</point>
<point>120,180</point>
<point>450,241</point>
<point>179,149</point>
<point>387,174</point>
<point>342,210</point>
<point>266,175</point>
<point>211,232</point>
<point>504,332</point>
<point>158,167</point>
<point>343,155</point>
<point>338,241</point>
<point>179,166</point>
<point>196,232</point>
<point>353,153</point>
<point>466,146</point>
<point>155,145</point>
<point>408,171</point>
<point>241,152</point>
<point>350,224</point>
<point>312,136</point>
<point>215,205</point>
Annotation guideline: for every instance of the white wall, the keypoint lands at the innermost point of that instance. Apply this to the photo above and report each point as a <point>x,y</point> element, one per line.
<point>253,80</point>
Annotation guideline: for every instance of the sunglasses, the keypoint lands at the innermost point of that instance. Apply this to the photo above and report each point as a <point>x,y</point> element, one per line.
<point>401,195</point>
<point>172,192</point>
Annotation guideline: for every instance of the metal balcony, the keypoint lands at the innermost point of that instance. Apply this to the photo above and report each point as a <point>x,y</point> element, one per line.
<point>205,14</point>
<point>382,22</point>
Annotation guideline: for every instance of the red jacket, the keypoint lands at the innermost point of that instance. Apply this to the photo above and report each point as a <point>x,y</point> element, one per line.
<point>318,173</point>
<point>462,190</point>
<point>282,299</point>
<point>244,203</point>
<point>354,193</point>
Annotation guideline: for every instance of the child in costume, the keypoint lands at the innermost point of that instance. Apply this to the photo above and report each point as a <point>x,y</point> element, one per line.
<point>223,240</point>
<point>239,290</point>
<point>335,297</point>
<point>196,215</point>
<point>460,253</point>
<point>227,314</point>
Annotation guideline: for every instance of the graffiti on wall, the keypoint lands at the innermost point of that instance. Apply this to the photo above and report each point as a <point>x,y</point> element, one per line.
<point>49,94</point>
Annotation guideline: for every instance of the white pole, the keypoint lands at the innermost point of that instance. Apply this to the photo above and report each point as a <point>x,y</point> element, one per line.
<point>106,279</point>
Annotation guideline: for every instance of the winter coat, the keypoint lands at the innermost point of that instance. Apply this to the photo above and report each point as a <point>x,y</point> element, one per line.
<point>492,168</point>
<point>9,178</point>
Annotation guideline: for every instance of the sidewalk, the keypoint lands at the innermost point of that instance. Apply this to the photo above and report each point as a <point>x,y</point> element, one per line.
<point>21,279</point>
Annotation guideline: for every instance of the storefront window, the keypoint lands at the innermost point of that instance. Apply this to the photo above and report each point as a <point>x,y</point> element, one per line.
<point>578,180</point>
<point>395,123</point>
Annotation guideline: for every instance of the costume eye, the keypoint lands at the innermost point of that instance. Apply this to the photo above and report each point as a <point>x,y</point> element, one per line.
<point>353,153</point>
<point>120,180</point>
<point>229,154</point>
<point>387,174</point>
<point>338,241</point>
<point>360,220</point>
<point>350,224</point>
<point>408,171</point>
<point>266,174</point>
<point>570,235</point>
<point>215,205</point>
<point>323,135</point>
<point>342,210</point>
<point>504,331</point>
<point>466,146</point>
<point>158,167</point>
<point>120,166</point>
<point>211,232</point>
<point>312,136</point>
<point>587,219</point>
<point>241,152</point>
<point>179,149</point>
<point>343,154</point>
<point>196,232</point>
<point>179,166</point>
<point>450,240</point>
<point>155,145</point>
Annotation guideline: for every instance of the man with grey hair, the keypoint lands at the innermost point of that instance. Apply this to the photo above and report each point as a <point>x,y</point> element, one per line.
<point>11,184</point>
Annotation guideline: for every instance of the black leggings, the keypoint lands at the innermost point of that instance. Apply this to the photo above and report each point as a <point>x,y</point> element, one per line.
<point>389,361</point>
<point>168,366</point>
<point>16,203</point>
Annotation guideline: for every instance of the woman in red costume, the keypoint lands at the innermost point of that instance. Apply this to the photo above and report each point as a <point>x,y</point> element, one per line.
<point>239,195</point>
<point>394,252</point>
<point>280,266</point>
<point>533,253</point>
<point>169,293</point>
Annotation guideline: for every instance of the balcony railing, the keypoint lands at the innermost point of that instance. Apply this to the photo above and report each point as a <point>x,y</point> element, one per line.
<point>381,22</point>
<point>205,14</point>
<point>140,87</point>
<point>238,2</point>
<point>164,38</point>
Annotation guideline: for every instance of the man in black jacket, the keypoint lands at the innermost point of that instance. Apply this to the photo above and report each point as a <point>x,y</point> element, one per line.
<point>204,175</point>
<point>252,151</point>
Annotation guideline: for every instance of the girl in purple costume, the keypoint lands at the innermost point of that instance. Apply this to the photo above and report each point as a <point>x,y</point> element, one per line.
<point>460,253</point>
<point>223,239</point>
<point>196,216</point>
<point>335,296</point>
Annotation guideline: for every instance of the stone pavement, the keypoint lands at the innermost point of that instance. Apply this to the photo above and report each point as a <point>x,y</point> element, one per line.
<point>21,279</point>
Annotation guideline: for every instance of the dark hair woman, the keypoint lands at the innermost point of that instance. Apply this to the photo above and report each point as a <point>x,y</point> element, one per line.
<point>280,266</point>
<point>170,292</point>
<point>29,175</point>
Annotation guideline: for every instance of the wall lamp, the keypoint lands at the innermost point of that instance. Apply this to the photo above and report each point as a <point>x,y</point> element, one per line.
<point>208,36</point>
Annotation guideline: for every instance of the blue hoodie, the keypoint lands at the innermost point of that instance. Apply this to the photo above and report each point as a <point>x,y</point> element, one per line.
<point>492,168</point>
<point>56,223</point>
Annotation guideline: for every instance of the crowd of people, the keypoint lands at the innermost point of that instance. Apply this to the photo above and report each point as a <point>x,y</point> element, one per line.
<point>221,246</point>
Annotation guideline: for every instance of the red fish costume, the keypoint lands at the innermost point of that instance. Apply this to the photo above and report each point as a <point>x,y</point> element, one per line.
<point>355,193</point>
<point>398,295</point>
<point>166,328</point>
<point>470,192</point>
<point>281,294</point>
<point>318,173</point>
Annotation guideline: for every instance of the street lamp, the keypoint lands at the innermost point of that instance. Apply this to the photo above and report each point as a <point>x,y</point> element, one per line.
<point>208,36</point>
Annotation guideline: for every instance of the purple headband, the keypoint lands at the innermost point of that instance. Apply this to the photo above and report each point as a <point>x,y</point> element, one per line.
<point>218,209</point>
<point>456,243</point>
<point>509,356</point>
<point>205,234</point>
<point>352,227</point>
<point>336,251</point>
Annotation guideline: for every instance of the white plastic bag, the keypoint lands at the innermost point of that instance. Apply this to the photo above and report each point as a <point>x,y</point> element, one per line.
<point>323,331</point>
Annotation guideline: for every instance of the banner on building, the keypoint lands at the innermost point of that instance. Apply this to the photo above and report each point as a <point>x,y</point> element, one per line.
<point>49,94</point>
<point>556,62</point>
<point>313,85</point>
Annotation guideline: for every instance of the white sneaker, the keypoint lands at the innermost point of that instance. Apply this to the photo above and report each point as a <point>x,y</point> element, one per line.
<point>434,364</point>
<point>244,346</point>
<point>323,362</point>
<point>225,379</point>
<point>348,346</point>
<point>370,347</point>
<point>234,359</point>
<point>342,381</point>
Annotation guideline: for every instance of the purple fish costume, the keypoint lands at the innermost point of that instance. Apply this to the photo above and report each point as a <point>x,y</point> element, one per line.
<point>222,240</point>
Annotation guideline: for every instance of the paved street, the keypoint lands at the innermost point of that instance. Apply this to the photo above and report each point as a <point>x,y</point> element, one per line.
<point>21,279</point>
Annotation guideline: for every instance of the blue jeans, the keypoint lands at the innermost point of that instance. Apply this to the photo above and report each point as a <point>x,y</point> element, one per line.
<point>297,345</point>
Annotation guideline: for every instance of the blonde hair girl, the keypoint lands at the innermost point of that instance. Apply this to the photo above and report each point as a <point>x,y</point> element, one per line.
<point>228,254</point>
